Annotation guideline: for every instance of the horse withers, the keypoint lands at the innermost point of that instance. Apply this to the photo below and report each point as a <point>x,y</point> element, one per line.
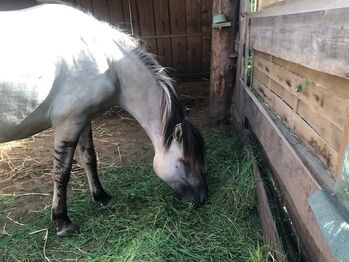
<point>60,67</point>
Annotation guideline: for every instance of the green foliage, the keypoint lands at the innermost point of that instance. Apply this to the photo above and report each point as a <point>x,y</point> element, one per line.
<point>148,223</point>
<point>301,86</point>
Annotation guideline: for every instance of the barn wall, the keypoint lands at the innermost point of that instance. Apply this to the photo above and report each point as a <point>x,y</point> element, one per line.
<point>177,31</point>
<point>301,68</point>
<point>297,105</point>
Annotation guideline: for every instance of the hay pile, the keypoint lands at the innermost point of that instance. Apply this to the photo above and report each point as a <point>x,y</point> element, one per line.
<point>148,223</point>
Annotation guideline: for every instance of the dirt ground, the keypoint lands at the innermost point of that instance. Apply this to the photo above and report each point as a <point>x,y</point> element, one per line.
<point>25,165</point>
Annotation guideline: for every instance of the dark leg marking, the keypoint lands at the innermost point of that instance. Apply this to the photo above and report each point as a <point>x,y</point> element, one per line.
<point>63,156</point>
<point>89,162</point>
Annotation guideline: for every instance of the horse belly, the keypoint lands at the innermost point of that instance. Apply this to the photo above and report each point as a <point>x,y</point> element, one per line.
<point>18,103</point>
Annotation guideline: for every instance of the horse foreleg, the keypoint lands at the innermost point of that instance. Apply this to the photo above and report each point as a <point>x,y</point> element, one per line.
<point>66,139</point>
<point>89,162</point>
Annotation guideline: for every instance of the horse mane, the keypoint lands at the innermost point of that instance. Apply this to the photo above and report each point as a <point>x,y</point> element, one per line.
<point>173,113</point>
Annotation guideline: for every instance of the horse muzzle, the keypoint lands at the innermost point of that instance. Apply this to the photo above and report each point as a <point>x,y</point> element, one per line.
<point>196,193</point>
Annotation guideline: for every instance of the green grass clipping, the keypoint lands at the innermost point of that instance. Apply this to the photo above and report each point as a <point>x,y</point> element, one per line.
<point>148,223</point>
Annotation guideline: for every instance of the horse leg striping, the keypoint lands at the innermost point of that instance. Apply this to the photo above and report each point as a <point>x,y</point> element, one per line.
<point>89,162</point>
<point>64,148</point>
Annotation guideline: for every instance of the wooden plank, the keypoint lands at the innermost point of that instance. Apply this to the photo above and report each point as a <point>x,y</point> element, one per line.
<point>175,36</point>
<point>85,4</point>
<point>293,177</point>
<point>194,54</point>
<point>260,76</point>
<point>116,13</point>
<point>238,101</point>
<point>206,54</point>
<point>302,129</point>
<point>336,84</point>
<point>135,17</point>
<point>328,131</point>
<point>193,16</point>
<point>100,9</point>
<point>162,26</point>
<point>280,91</point>
<point>221,75</point>
<point>206,15</point>
<point>262,4</point>
<point>325,129</point>
<point>147,24</point>
<point>178,26</point>
<point>295,7</point>
<point>308,39</point>
<point>126,6</point>
<point>71,2</point>
<point>193,20</point>
<point>343,149</point>
<point>331,101</point>
<point>268,224</point>
<point>206,21</point>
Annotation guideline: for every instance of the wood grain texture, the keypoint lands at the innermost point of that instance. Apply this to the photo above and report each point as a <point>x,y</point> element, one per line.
<point>262,4</point>
<point>162,27</point>
<point>271,234</point>
<point>178,26</point>
<point>206,21</point>
<point>294,179</point>
<point>147,24</point>
<point>223,72</point>
<point>135,17</point>
<point>302,129</point>
<point>85,4</point>
<point>116,13</point>
<point>177,31</point>
<point>100,9</point>
<point>287,7</point>
<point>308,39</point>
<point>325,110</point>
<point>194,45</point>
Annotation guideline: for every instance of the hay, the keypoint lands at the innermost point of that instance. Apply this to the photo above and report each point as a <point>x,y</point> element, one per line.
<point>148,223</point>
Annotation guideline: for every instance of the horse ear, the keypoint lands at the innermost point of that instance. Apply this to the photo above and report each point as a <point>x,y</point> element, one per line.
<point>178,132</point>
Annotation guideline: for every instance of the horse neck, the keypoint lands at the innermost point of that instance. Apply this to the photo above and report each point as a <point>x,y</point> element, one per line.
<point>141,96</point>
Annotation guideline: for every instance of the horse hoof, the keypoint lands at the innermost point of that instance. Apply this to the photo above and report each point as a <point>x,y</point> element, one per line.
<point>107,202</point>
<point>67,230</point>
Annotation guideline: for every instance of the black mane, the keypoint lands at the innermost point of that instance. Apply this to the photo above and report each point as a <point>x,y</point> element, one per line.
<point>193,142</point>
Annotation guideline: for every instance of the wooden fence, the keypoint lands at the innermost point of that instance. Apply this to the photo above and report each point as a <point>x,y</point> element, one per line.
<point>177,31</point>
<point>297,105</point>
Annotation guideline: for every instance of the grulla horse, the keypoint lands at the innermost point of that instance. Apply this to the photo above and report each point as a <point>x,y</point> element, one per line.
<point>60,67</point>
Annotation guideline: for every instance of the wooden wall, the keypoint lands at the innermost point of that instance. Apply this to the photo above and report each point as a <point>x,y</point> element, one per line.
<point>299,44</point>
<point>307,50</point>
<point>177,31</point>
<point>318,114</point>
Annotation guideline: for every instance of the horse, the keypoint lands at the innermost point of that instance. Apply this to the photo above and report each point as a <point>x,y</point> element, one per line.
<point>60,67</point>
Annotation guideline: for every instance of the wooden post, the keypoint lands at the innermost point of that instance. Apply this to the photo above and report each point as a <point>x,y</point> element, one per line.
<point>223,69</point>
<point>238,97</point>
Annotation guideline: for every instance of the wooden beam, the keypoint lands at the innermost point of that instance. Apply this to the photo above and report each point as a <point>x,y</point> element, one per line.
<point>238,94</point>
<point>292,176</point>
<point>222,66</point>
<point>317,39</point>
<point>295,7</point>
<point>268,224</point>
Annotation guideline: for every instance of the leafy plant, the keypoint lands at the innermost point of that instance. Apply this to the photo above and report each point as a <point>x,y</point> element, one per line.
<point>301,86</point>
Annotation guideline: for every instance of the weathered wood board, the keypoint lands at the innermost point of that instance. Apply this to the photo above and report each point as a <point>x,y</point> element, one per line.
<point>317,114</point>
<point>177,32</point>
<point>294,179</point>
<point>306,38</point>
